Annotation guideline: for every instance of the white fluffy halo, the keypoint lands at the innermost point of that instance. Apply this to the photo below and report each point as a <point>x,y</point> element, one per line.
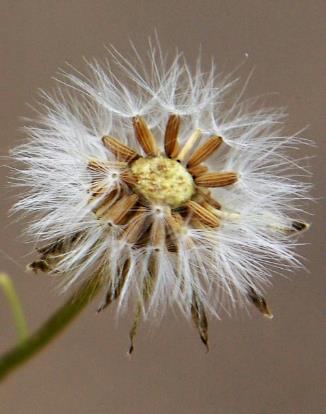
<point>218,266</point>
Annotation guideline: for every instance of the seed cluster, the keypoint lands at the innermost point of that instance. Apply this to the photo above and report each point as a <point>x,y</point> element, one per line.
<point>166,180</point>
<point>153,199</point>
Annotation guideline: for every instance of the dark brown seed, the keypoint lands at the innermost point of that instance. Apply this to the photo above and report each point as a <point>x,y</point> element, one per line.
<point>39,265</point>
<point>299,226</point>
<point>200,320</point>
<point>134,328</point>
<point>171,134</point>
<point>114,292</point>
<point>260,303</point>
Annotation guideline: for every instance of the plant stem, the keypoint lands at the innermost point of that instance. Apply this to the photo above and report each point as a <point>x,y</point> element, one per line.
<point>51,328</point>
<point>9,290</point>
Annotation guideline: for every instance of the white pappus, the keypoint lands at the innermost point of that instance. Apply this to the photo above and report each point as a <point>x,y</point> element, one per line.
<point>162,179</point>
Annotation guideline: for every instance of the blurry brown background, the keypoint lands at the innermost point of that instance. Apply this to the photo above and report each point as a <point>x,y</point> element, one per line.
<point>254,366</point>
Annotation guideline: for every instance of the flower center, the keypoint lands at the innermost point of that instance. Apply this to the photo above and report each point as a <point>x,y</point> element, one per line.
<point>162,180</point>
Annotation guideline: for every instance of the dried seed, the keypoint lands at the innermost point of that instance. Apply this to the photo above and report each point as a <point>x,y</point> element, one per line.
<point>121,208</point>
<point>175,227</point>
<point>293,228</point>
<point>97,166</point>
<point>135,227</point>
<point>149,282</point>
<point>38,265</point>
<point>204,215</point>
<point>176,151</point>
<point>120,151</point>
<point>128,177</point>
<point>98,188</point>
<point>157,234</point>
<point>206,196</point>
<point>144,136</point>
<point>134,327</point>
<point>300,226</point>
<point>200,320</point>
<point>198,170</point>
<point>216,179</point>
<point>222,214</point>
<point>175,222</point>
<point>105,203</point>
<point>105,166</point>
<point>204,151</point>
<point>113,293</point>
<point>171,134</point>
<point>52,248</point>
<point>197,224</point>
<point>260,303</point>
<point>148,287</point>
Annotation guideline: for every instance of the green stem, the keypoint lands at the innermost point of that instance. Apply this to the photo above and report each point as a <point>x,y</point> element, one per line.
<point>51,328</point>
<point>10,292</point>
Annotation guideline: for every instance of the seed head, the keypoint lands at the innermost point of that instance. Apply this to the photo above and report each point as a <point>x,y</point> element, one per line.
<point>161,180</point>
<point>177,197</point>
